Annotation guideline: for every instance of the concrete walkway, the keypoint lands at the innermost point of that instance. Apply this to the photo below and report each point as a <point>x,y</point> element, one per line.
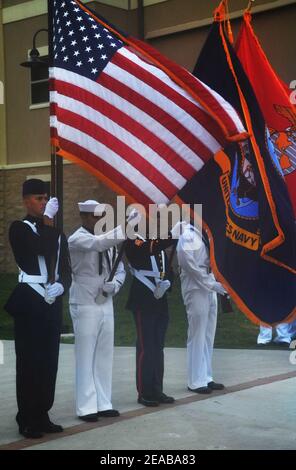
<point>257,410</point>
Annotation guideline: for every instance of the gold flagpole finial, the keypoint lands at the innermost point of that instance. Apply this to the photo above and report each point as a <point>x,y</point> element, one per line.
<point>219,13</point>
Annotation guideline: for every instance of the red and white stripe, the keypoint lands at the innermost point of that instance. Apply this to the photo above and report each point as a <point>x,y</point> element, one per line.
<point>136,126</point>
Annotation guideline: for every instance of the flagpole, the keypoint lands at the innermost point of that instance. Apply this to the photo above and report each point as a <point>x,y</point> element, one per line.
<point>141,20</point>
<point>249,7</point>
<point>53,188</point>
<point>60,190</point>
<point>117,261</point>
<point>226,306</point>
<point>55,161</point>
<point>51,273</point>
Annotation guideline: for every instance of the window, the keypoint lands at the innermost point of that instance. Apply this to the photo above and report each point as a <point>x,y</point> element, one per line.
<point>40,82</point>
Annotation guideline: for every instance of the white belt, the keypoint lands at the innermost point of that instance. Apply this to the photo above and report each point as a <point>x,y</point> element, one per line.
<point>143,278</point>
<point>32,279</point>
<point>143,272</point>
<point>80,277</point>
<point>158,289</point>
<point>37,288</point>
<point>143,275</point>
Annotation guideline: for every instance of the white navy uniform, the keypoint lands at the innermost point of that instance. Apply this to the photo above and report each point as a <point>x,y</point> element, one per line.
<point>92,257</point>
<point>293,329</point>
<point>284,334</point>
<point>199,291</point>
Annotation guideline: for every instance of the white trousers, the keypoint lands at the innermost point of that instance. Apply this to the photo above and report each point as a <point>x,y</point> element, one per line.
<point>201,307</point>
<point>293,329</point>
<point>94,343</point>
<point>283,334</point>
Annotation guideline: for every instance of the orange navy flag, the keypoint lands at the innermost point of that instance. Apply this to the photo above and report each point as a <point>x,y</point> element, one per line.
<point>273,96</point>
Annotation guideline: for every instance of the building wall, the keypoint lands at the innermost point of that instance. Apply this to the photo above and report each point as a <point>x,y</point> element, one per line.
<point>24,144</point>
<point>3,244</point>
<point>27,130</point>
<point>184,47</point>
<point>177,28</point>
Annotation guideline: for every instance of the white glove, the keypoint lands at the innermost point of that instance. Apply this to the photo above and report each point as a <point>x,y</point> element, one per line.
<point>55,290</point>
<point>51,207</point>
<point>101,297</point>
<point>177,229</point>
<point>109,287</point>
<point>219,288</point>
<point>134,217</point>
<point>161,288</point>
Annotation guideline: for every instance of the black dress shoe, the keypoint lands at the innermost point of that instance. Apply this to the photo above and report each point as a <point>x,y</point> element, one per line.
<point>146,402</point>
<point>215,386</point>
<point>91,418</point>
<point>163,398</point>
<point>283,344</point>
<point>108,413</point>
<point>30,433</point>
<point>51,428</point>
<point>202,390</point>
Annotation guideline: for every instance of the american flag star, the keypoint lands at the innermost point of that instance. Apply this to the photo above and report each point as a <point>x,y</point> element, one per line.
<point>116,112</point>
<point>75,30</point>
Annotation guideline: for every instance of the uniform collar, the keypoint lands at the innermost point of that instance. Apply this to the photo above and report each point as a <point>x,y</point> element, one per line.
<point>87,229</point>
<point>34,220</point>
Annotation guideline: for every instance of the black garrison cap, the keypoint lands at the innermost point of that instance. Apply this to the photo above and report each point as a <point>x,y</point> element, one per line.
<point>34,186</point>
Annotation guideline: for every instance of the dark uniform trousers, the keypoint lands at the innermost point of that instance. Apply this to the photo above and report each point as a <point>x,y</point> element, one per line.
<point>151,330</point>
<point>37,338</point>
<point>37,324</point>
<point>151,317</point>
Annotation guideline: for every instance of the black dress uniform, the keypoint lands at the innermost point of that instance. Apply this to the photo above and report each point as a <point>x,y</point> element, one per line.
<point>37,323</point>
<point>151,317</point>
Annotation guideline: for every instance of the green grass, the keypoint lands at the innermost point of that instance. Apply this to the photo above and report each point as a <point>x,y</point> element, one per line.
<point>234,330</point>
<point>7,282</point>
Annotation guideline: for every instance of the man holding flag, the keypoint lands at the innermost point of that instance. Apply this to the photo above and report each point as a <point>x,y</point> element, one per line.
<point>93,256</point>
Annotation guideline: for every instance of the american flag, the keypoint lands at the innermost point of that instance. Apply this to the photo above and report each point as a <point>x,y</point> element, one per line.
<point>138,121</point>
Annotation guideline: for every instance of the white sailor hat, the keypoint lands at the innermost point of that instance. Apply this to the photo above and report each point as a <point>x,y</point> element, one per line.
<point>92,206</point>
